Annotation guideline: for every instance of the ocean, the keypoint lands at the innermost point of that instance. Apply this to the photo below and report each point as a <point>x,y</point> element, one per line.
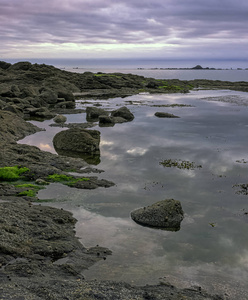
<point>227,70</point>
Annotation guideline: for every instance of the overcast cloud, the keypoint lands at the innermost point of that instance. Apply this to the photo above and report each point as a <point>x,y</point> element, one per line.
<point>118,28</point>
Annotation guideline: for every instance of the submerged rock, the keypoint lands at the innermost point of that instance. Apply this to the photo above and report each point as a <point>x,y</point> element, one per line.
<point>165,115</point>
<point>166,214</point>
<point>77,140</point>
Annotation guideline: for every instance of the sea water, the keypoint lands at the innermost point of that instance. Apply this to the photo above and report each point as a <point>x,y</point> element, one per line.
<point>229,70</point>
<point>210,249</point>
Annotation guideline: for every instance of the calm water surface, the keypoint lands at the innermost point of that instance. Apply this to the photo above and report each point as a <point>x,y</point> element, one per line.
<point>211,249</point>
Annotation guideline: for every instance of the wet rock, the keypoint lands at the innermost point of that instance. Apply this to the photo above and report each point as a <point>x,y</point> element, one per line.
<point>48,96</point>
<point>60,119</point>
<point>13,127</point>
<point>165,115</point>
<point>166,214</point>
<point>93,113</point>
<point>67,95</point>
<point>124,113</point>
<point>40,181</point>
<point>27,91</point>
<point>14,109</point>
<point>2,104</point>
<point>106,121</point>
<point>77,140</point>
<point>64,104</point>
<point>152,84</point>
<point>93,183</point>
<point>41,112</point>
<point>9,90</point>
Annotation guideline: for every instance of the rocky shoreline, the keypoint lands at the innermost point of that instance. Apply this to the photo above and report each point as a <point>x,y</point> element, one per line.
<point>40,256</point>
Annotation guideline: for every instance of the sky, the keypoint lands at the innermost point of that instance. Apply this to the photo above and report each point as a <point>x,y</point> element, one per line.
<point>171,29</point>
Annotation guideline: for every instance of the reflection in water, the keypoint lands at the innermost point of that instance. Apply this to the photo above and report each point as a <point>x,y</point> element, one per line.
<point>90,158</point>
<point>211,248</point>
<point>45,147</point>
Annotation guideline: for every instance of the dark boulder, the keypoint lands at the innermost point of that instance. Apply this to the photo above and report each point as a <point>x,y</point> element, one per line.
<point>77,140</point>
<point>106,121</point>
<point>152,85</point>
<point>124,113</point>
<point>67,95</point>
<point>93,113</point>
<point>166,214</point>
<point>165,115</point>
<point>4,65</point>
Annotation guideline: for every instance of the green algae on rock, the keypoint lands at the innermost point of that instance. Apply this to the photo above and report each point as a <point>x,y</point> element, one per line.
<point>12,173</point>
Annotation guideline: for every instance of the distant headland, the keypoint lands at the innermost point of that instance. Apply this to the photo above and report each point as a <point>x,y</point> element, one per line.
<point>197,67</point>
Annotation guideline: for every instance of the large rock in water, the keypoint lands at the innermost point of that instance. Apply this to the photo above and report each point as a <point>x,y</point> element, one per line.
<point>124,113</point>
<point>77,140</point>
<point>166,214</point>
<point>93,113</point>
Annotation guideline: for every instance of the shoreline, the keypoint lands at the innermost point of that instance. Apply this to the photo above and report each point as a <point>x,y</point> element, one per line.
<point>40,255</point>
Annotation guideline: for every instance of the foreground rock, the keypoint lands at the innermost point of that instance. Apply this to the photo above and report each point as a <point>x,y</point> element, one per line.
<point>78,140</point>
<point>13,127</point>
<point>166,214</point>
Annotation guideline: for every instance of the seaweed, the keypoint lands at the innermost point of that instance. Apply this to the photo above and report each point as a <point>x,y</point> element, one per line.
<point>180,164</point>
<point>65,179</point>
<point>12,173</point>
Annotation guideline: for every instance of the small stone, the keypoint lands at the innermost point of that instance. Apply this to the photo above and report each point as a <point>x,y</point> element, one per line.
<point>60,119</point>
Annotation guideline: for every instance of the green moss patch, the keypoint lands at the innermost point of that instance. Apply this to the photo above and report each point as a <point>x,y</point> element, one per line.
<point>12,173</point>
<point>180,164</point>
<point>30,190</point>
<point>65,179</point>
<point>28,193</point>
<point>107,75</point>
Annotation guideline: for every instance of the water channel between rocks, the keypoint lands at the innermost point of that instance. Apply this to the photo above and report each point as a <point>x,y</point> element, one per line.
<point>211,248</point>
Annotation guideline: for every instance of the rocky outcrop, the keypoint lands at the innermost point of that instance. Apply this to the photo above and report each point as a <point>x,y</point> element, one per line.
<point>78,140</point>
<point>13,127</point>
<point>166,214</point>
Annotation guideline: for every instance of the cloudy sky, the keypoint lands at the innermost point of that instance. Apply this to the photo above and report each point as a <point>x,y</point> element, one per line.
<point>124,29</point>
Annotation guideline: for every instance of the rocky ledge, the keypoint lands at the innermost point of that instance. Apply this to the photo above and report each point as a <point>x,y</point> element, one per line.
<point>40,256</point>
